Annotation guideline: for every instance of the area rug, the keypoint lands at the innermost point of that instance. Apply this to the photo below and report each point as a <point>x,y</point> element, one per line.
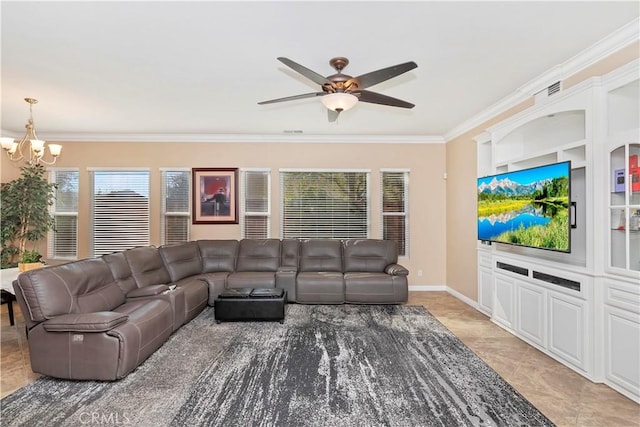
<point>347,365</point>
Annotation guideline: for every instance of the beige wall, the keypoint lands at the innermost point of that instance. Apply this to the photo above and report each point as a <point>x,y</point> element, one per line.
<point>461,182</point>
<point>426,163</point>
<point>461,207</point>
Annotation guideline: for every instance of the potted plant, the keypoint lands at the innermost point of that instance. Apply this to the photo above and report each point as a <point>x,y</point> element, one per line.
<point>25,216</point>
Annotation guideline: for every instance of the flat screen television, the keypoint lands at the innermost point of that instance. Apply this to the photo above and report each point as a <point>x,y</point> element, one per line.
<point>528,207</point>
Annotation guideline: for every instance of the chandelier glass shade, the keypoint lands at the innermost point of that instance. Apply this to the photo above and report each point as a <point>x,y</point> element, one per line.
<point>339,101</point>
<point>30,148</point>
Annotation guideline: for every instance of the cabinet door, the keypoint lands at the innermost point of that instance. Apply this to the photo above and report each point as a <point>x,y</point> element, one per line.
<point>532,313</point>
<point>622,349</point>
<point>567,325</point>
<point>503,306</point>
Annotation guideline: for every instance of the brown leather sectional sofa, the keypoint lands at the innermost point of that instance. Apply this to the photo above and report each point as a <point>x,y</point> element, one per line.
<point>100,318</point>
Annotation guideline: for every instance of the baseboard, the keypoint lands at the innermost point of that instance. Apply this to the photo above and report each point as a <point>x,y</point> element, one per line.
<point>427,288</point>
<point>463,298</point>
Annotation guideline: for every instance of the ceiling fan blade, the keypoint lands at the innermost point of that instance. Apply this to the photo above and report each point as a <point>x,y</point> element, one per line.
<point>292,98</point>
<point>333,115</point>
<point>375,77</point>
<point>377,98</point>
<point>311,75</point>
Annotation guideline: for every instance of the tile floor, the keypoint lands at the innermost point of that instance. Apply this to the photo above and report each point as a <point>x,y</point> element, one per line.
<point>564,396</point>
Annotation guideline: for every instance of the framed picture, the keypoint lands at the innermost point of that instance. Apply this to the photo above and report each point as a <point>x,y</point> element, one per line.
<point>215,195</point>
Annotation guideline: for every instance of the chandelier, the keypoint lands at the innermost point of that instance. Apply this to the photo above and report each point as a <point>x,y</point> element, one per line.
<point>30,148</point>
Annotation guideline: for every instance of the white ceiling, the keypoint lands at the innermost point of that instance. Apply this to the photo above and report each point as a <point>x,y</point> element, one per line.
<point>156,69</point>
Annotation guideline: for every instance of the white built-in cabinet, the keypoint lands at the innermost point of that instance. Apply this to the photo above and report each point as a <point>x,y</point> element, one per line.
<point>620,283</point>
<point>581,308</point>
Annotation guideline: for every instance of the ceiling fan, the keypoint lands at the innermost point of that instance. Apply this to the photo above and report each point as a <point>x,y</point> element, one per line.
<point>341,91</point>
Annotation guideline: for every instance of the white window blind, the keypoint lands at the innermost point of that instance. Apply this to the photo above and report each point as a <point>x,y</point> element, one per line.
<point>395,207</point>
<point>174,227</point>
<point>62,241</point>
<point>254,204</point>
<point>120,210</point>
<point>324,204</point>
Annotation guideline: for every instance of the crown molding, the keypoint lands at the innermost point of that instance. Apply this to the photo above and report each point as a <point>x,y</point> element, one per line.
<point>239,138</point>
<point>617,40</point>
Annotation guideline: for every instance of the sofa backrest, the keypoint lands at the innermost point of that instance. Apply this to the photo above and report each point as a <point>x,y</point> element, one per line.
<point>146,266</point>
<point>369,255</point>
<point>218,255</point>
<point>258,255</point>
<point>182,260</point>
<point>83,286</point>
<point>289,253</point>
<point>121,271</point>
<point>322,255</point>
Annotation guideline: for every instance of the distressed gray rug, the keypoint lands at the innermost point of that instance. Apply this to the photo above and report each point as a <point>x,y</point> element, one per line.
<point>344,365</point>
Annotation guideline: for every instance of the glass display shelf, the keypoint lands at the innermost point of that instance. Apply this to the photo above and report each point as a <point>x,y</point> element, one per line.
<point>624,207</point>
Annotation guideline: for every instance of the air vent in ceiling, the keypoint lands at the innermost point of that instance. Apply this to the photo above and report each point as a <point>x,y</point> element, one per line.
<point>554,88</point>
<point>547,92</point>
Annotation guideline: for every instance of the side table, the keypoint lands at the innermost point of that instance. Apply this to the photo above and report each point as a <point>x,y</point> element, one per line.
<point>8,298</point>
<point>7,276</point>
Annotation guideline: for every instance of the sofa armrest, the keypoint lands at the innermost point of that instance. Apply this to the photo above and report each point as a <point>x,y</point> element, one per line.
<point>148,291</point>
<point>396,270</point>
<point>100,321</point>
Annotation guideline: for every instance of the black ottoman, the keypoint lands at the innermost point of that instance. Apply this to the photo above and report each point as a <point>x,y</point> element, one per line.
<point>250,304</point>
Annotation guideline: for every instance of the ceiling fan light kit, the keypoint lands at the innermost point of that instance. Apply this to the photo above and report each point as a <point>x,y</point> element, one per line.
<point>339,101</point>
<point>341,92</point>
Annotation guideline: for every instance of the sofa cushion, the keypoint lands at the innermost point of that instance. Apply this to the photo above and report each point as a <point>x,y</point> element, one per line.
<point>217,283</point>
<point>83,286</point>
<point>320,255</point>
<point>121,271</point>
<point>375,288</point>
<point>149,325</point>
<point>146,266</point>
<point>218,255</point>
<point>252,279</point>
<point>258,255</point>
<point>369,255</point>
<point>289,253</point>
<point>320,288</point>
<point>182,260</point>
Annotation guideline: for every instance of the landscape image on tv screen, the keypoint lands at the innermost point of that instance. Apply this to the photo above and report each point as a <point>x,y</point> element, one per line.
<point>529,207</point>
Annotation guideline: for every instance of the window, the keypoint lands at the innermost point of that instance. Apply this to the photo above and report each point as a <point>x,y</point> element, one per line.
<point>119,210</point>
<point>324,204</point>
<point>62,242</point>
<point>394,186</point>
<point>254,204</point>
<point>176,219</point>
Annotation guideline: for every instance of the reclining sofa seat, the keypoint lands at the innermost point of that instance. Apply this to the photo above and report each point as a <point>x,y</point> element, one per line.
<point>372,274</point>
<point>80,325</point>
<point>256,265</point>
<point>218,261</point>
<point>320,279</point>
